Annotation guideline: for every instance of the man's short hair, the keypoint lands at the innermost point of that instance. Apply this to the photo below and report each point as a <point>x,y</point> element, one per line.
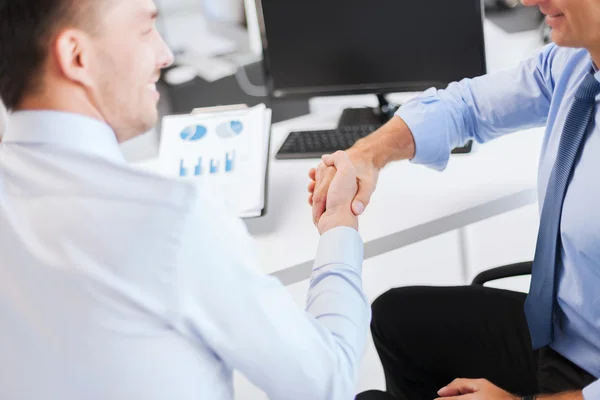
<point>27,28</point>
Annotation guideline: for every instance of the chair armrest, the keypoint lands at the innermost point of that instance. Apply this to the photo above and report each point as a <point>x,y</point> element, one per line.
<point>507,271</point>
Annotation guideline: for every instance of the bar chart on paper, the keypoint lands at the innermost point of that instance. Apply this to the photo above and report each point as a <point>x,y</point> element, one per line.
<point>214,165</point>
<point>225,153</point>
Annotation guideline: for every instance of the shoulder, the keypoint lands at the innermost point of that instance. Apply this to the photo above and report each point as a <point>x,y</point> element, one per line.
<point>212,232</point>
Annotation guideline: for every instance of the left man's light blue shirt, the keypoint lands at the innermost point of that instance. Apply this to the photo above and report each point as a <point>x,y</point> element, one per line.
<point>117,284</point>
<point>539,92</point>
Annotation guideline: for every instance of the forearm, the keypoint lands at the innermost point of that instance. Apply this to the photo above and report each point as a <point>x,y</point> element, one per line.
<point>392,142</point>
<point>428,127</point>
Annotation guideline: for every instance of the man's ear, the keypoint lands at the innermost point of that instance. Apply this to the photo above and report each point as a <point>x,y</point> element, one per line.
<point>71,50</point>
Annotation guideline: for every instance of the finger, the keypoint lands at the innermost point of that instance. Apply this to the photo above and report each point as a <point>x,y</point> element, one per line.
<point>319,172</point>
<point>339,160</point>
<point>320,193</point>
<point>448,391</point>
<point>310,199</point>
<point>362,198</point>
<point>470,396</point>
<point>460,386</point>
<point>312,174</point>
<point>311,186</point>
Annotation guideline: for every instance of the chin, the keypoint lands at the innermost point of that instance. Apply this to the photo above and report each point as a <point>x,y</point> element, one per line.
<point>564,40</point>
<point>149,120</point>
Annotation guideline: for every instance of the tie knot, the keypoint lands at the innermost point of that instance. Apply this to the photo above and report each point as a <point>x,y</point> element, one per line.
<point>589,88</point>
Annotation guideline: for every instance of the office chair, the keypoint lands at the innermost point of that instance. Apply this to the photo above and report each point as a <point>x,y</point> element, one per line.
<point>507,271</point>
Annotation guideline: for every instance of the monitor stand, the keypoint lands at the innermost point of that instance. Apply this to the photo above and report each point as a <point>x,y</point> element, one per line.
<point>368,115</point>
<point>377,116</point>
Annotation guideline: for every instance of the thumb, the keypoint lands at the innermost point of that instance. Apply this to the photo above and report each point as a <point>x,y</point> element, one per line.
<point>460,387</point>
<point>362,199</point>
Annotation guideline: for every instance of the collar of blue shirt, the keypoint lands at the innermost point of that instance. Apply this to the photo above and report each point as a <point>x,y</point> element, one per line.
<point>71,131</point>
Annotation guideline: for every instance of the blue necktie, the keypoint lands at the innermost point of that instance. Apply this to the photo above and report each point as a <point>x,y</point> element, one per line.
<point>540,303</point>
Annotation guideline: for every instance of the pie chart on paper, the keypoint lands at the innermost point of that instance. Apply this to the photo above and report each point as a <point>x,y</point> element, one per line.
<point>230,129</point>
<point>193,133</point>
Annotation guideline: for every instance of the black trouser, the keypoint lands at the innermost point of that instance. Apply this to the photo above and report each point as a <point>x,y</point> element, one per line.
<point>426,337</point>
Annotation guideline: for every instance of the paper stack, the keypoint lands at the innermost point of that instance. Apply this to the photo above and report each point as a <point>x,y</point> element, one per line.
<point>225,149</point>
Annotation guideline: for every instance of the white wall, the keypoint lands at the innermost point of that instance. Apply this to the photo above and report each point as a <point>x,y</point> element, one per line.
<point>502,240</point>
<point>218,9</point>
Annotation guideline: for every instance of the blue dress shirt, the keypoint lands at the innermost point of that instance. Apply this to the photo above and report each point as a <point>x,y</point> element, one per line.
<point>120,284</point>
<point>539,92</point>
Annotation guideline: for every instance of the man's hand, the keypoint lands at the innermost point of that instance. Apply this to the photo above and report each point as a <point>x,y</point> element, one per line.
<point>342,188</point>
<point>321,179</point>
<point>474,389</point>
<point>481,389</point>
<point>392,142</point>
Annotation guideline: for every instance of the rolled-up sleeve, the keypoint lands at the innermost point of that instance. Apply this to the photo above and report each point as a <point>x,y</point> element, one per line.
<point>481,109</point>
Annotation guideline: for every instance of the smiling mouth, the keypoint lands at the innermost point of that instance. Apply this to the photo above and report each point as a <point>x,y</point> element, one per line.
<point>556,15</point>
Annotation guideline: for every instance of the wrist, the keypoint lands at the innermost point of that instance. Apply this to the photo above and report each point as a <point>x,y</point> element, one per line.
<point>392,142</point>
<point>334,219</point>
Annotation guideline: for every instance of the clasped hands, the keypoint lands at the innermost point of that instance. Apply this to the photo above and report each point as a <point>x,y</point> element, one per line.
<point>340,189</point>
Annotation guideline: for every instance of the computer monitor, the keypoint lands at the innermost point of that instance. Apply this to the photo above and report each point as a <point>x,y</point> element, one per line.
<point>337,47</point>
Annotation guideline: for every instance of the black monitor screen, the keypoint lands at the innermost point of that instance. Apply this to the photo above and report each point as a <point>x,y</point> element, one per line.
<point>360,46</point>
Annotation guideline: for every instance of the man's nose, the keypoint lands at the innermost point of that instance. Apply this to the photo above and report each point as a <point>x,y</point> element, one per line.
<point>531,3</point>
<point>166,55</point>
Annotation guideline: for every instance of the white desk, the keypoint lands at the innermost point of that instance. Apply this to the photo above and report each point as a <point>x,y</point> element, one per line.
<point>412,203</point>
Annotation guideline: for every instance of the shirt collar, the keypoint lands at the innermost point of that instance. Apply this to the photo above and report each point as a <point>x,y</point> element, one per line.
<point>72,131</point>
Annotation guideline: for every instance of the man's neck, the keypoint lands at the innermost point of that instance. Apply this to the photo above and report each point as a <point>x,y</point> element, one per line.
<point>74,103</point>
<point>595,54</point>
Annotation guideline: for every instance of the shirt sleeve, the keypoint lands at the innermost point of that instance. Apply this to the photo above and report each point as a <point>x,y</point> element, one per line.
<point>251,323</point>
<point>592,392</point>
<point>482,108</point>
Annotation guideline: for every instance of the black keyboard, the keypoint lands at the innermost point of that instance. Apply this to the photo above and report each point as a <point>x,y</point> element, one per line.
<point>313,144</point>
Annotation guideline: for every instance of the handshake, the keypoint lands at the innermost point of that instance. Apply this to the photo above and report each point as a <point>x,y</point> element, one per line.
<point>342,185</point>
<point>340,189</point>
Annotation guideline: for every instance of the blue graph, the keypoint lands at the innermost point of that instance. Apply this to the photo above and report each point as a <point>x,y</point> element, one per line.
<point>198,168</point>
<point>193,133</point>
<point>214,166</point>
<point>230,129</point>
<point>229,161</point>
